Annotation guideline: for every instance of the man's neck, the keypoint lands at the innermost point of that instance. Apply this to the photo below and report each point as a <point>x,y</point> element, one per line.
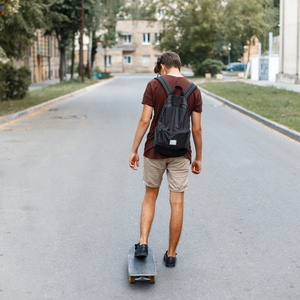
<point>174,72</point>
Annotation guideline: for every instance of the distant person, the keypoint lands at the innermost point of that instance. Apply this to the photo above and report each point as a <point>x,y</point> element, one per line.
<point>155,164</point>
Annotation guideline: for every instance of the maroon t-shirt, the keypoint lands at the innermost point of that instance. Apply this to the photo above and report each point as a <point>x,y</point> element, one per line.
<point>155,97</point>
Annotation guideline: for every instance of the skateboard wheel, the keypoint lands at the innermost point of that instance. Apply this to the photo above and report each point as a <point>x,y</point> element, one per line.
<point>131,279</point>
<point>152,279</point>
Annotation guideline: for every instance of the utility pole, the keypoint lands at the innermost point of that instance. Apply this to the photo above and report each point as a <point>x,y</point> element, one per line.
<point>82,27</point>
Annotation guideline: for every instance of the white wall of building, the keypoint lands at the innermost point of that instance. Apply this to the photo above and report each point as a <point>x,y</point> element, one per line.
<point>255,67</point>
<point>136,49</point>
<point>273,67</point>
<point>289,67</point>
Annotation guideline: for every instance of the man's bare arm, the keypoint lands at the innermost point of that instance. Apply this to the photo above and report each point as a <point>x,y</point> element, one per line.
<point>140,132</point>
<point>197,137</point>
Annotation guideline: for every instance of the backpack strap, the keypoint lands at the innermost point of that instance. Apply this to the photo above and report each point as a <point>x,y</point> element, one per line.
<point>188,91</point>
<point>164,82</point>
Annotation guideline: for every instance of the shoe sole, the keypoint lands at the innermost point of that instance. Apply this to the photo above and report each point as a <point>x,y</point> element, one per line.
<point>141,254</point>
<point>170,265</point>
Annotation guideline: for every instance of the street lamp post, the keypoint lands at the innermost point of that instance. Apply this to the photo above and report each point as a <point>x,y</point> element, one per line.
<point>82,27</point>
<point>229,48</point>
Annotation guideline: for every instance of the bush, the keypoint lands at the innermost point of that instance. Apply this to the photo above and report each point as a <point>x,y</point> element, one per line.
<point>14,82</point>
<point>212,66</point>
<point>105,75</point>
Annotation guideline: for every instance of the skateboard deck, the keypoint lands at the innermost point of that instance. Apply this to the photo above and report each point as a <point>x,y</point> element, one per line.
<point>141,268</point>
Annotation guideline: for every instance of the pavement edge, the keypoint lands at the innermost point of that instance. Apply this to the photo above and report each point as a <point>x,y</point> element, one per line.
<point>293,134</point>
<point>23,113</point>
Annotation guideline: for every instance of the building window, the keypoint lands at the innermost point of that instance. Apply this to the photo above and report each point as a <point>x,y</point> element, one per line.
<point>146,38</point>
<point>146,60</point>
<point>127,59</point>
<point>127,39</point>
<point>107,60</point>
<point>156,38</point>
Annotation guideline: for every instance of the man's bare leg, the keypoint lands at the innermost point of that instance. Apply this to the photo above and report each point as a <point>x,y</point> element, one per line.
<point>176,202</point>
<point>147,215</point>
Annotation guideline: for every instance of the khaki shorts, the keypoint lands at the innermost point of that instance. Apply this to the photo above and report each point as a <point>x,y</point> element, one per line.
<point>177,172</point>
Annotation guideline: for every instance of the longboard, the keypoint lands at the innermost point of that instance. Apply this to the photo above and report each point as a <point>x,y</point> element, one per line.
<point>141,268</point>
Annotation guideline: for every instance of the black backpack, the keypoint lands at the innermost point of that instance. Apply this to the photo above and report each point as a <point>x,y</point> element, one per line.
<point>172,133</point>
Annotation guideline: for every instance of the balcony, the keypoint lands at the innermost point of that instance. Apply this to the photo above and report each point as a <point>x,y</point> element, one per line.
<point>126,47</point>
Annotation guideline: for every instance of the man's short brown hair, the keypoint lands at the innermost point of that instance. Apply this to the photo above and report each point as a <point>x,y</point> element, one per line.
<point>169,59</point>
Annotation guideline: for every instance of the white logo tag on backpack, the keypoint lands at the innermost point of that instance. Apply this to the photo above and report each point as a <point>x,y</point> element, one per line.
<point>173,142</point>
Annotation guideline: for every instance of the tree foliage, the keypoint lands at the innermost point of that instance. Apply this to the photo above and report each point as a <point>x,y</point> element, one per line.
<point>193,29</point>
<point>243,20</point>
<point>99,16</point>
<point>271,18</point>
<point>202,29</point>
<point>14,81</point>
<point>102,26</point>
<point>196,29</point>
<point>138,9</point>
<point>64,21</point>
<point>211,66</point>
<point>18,25</point>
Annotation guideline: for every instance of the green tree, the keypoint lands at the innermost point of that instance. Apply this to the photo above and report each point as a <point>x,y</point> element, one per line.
<point>98,15</point>
<point>101,27</point>
<point>272,19</point>
<point>18,25</point>
<point>66,27</point>
<point>65,19</point>
<point>201,29</point>
<point>244,19</point>
<point>138,9</point>
<point>192,29</point>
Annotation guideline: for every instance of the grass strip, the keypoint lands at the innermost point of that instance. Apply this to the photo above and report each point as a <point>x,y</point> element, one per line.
<point>279,105</point>
<point>41,95</point>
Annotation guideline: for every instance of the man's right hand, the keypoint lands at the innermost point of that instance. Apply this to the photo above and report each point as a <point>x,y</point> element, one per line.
<point>196,166</point>
<point>134,160</point>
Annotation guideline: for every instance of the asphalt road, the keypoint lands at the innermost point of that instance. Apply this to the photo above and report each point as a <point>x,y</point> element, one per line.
<point>70,205</point>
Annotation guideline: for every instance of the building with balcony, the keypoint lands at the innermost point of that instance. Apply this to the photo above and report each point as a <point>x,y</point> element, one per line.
<point>135,50</point>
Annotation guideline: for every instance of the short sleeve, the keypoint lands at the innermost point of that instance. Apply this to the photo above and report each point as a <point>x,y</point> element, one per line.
<point>148,96</point>
<point>198,101</point>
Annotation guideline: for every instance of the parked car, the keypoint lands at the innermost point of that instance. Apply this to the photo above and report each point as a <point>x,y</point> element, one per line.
<point>236,67</point>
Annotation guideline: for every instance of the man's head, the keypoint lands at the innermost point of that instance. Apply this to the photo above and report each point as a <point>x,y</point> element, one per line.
<point>169,59</point>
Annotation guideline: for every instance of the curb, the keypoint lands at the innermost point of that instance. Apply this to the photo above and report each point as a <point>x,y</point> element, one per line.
<point>293,134</point>
<point>23,113</point>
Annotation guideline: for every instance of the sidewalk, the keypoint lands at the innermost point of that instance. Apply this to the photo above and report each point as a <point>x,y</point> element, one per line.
<point>39,85</point>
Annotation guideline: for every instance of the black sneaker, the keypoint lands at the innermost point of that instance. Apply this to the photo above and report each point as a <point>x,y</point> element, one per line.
<point>169,260</point>
<point>141,250</point>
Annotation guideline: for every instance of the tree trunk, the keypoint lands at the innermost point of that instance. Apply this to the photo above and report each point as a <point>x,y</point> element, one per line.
<point>62,64</point>
<point>79,66</point>
<point>73,57</point>
<point>105,60</point>
<point>94,49</point>
<point>90,55</point>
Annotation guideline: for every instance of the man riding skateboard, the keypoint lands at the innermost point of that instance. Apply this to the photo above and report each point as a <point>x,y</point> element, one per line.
<point>155,164</point>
